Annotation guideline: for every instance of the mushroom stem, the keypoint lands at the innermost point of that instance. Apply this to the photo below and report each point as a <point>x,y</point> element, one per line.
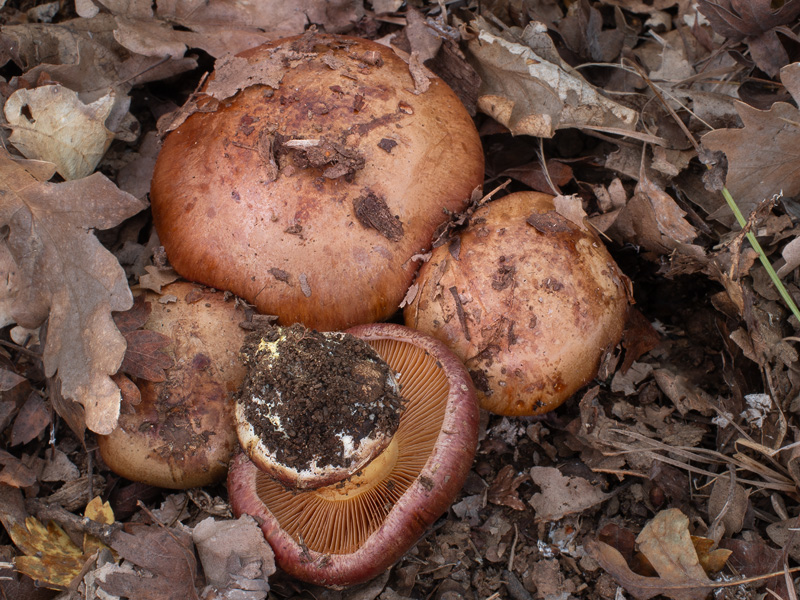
<point>366,479</point>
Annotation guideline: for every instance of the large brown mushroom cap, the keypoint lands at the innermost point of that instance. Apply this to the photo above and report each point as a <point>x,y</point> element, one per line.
<point>530,302</point>
<point>309,200</point>
<point>350,532</point>
<point>182,434</point>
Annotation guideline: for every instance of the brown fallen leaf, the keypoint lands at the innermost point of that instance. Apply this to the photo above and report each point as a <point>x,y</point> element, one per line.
<point>620,538</point>
<point>638,338</point>
<point>155,278</point>
<point>503,490</point>
<point>561,495</point>
<point>166,553</point>
<point>8,286</point>
<point>533,92</point>
<point>9,380</point>
<point>31,420</point>
<point>755,22</point>
<point>533,175</point>
<point>753,558</point>
<point>639,586</point>
<point>144,355</point>
<point>669,216</point>
<point>222,27</point>
<point>14,473</point>
<point>67,277</point>
<point>734,503</point>
<point>51,123</point>
<point>754,176</point>
<point>237,560</point>
<point>582,30</point>
<point>667,544</point>
<point>713,560</point>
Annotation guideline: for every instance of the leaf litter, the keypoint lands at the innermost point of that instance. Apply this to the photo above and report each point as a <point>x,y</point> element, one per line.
<point>675,474</point>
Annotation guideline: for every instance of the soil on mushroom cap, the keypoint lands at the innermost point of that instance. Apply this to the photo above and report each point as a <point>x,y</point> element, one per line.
<point>307,391</point>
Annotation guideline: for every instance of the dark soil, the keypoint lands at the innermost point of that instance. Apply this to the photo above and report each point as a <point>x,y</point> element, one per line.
<point>322,388</point>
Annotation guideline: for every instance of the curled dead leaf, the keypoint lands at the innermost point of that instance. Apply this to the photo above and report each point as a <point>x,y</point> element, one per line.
<point>532,95</point>
<point>51,123</point>
<point>561,495</point>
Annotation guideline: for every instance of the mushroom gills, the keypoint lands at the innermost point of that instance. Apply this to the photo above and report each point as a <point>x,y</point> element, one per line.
<point>339,518</point>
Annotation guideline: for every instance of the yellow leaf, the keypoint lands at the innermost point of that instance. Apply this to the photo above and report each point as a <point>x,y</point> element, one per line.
<point>52,559</point>
<point>99,512</point>
<point>712,561</point>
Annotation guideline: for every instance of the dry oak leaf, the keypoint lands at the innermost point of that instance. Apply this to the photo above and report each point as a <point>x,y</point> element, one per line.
<point>531,91</point>
<point>561,495</point>
<point>639,586</point>
<point>753,21</point>
<point>144,357</point>
<point>65,275</point>
<point>15,473</point>
<point>775,167</point>
<point>223,27</point>
<point>236,558</point>
<point>166,553</point>
<point>666,542</point>
<point>51,123</point>
<point>667,545</point>
<point>31,420</point>
<point>503,490</point>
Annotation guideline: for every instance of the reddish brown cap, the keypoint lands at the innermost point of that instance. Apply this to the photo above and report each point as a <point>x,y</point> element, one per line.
<point>310,198</point>
<point>350,532</point>
<point>182,434</point>
<point>531,303</point>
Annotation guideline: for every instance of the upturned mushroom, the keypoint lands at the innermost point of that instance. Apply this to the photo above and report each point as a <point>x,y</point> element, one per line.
<point>342,534</point>
<point>182,433</point>
<point>310,174</point>
<point>529,301</point>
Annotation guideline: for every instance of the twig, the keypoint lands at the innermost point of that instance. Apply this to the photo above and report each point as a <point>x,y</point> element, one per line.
<point>513,549</point>
<point>54,512</point>
<point>712,529</point>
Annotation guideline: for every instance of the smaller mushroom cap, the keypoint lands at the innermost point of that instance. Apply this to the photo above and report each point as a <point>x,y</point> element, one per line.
<point>314,407</point>
<point>349,532</point>
<point>182,434</point>
<point>531,302</point>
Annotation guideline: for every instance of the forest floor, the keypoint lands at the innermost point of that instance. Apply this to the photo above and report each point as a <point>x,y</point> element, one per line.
<point>674,474</point>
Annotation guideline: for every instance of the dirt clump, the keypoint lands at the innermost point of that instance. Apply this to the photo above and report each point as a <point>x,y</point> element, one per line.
<point>312,397</point>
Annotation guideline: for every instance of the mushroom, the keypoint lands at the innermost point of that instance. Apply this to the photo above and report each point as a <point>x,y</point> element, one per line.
<point>528,299</point>
<point>182,434</point>
<point>313,171</point>
<point>349,532</point>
